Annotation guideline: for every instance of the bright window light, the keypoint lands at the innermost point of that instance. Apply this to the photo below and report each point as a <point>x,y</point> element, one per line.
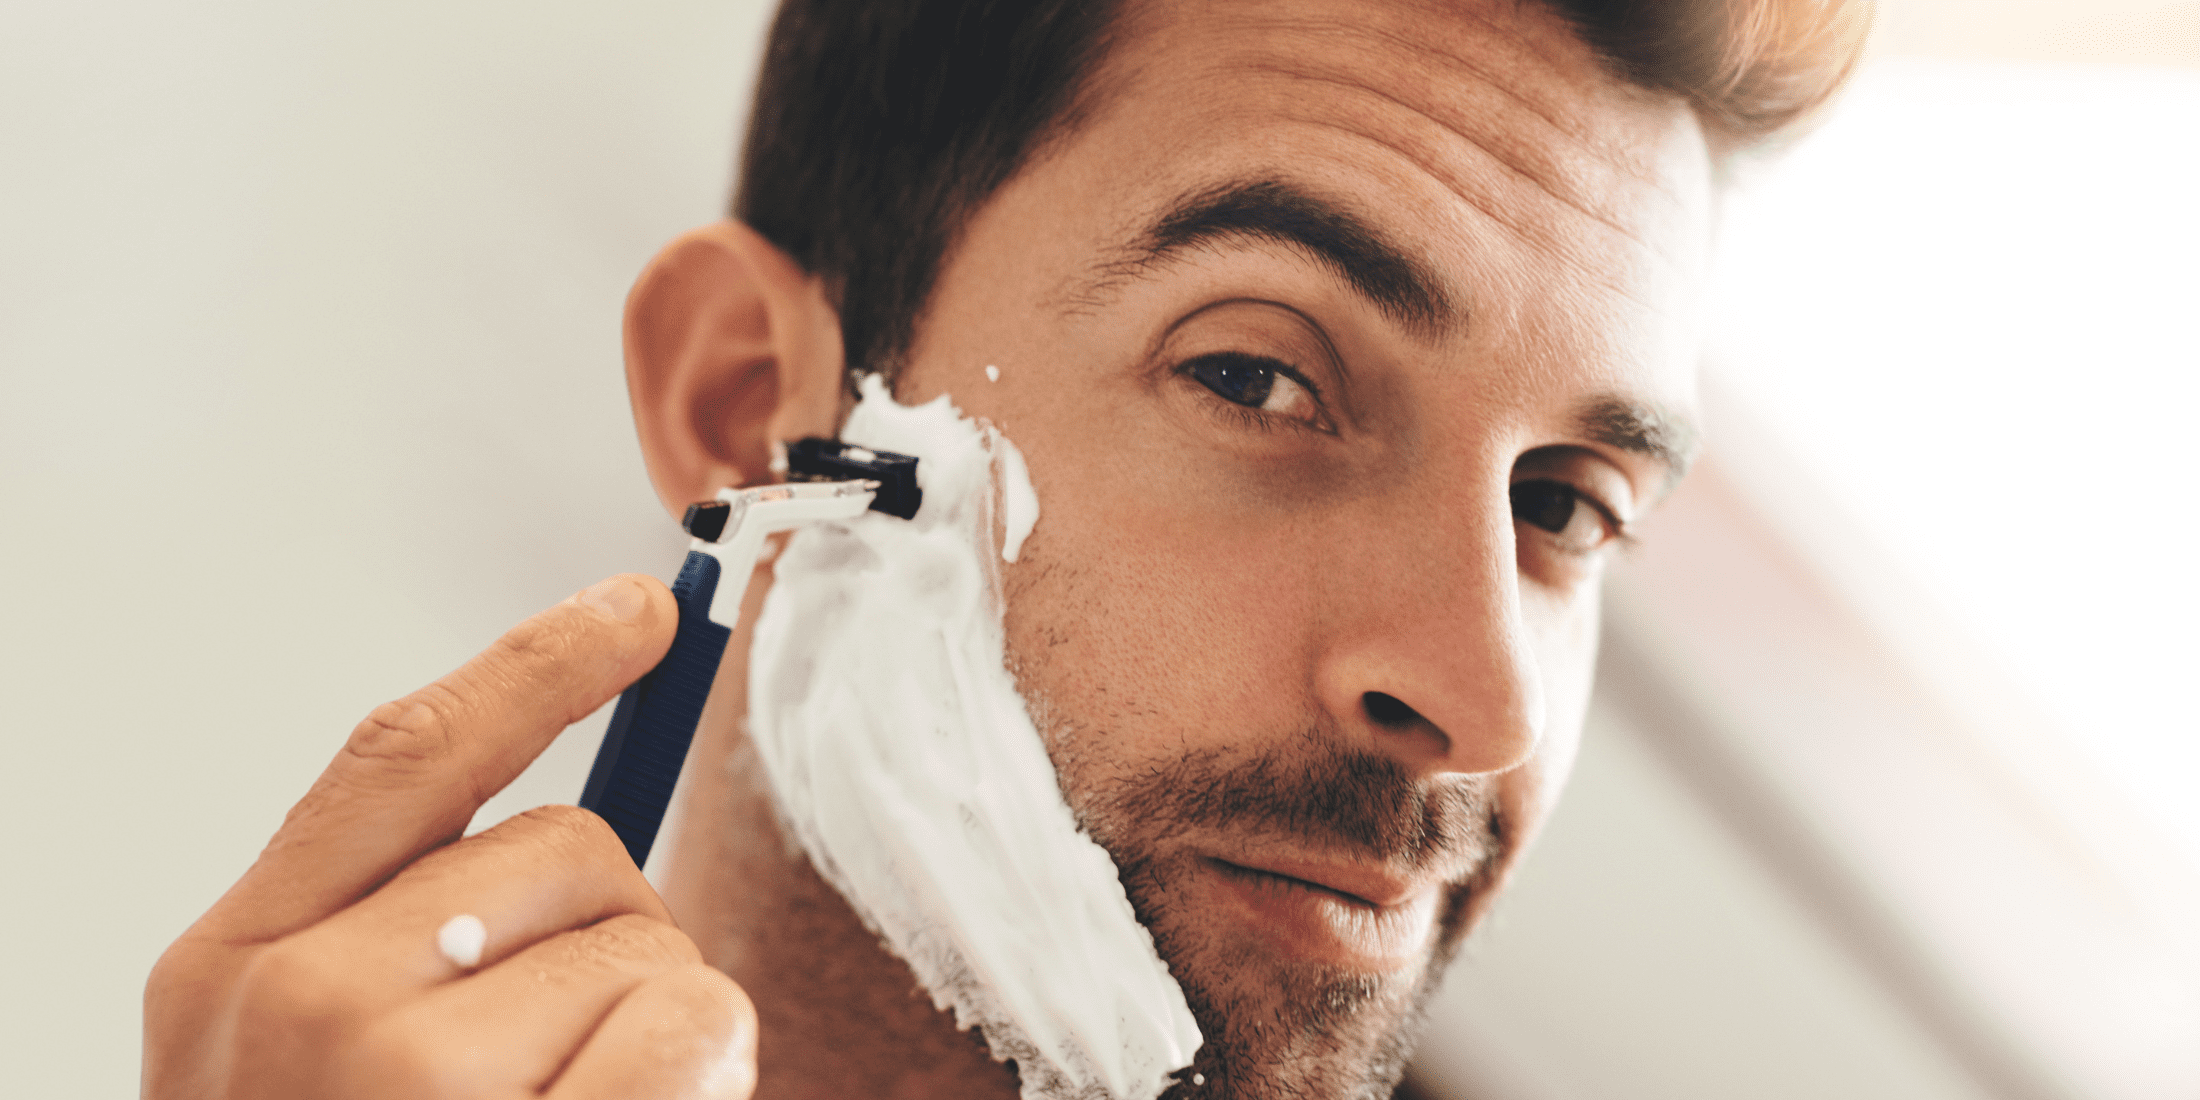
<point>1970,306</point>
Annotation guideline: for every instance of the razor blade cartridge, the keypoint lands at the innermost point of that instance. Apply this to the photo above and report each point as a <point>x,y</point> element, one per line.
<point>818,459</point>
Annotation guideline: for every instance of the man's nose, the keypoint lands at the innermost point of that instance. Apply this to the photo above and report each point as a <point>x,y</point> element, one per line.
<point>1432,663</point>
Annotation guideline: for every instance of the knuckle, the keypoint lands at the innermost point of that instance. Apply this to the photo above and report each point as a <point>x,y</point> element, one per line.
<point>567,842</point>
<point>288,988</point>
<point>569,829</point>
<point>702,1018</point>
<point>531,650</point>
<point>710,998</point>
<point>407,736</point>
<point>623,941</point>
<point>641,937</point>
<point>633,948</point>
<point>171,976</point>
<point>184,981</point>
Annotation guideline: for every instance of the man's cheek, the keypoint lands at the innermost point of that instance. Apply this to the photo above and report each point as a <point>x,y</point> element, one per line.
<point>1153,643</point>
<point>1564,629</point>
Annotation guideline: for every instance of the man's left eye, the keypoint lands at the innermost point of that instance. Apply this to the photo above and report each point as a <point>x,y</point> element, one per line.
<point>1254,383</point>
<point>1560,509</point>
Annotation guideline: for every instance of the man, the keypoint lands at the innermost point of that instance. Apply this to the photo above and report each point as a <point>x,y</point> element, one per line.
<point>1342,341</point>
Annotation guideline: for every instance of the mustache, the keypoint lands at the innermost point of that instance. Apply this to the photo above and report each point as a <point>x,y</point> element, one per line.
<point>1322,796</point>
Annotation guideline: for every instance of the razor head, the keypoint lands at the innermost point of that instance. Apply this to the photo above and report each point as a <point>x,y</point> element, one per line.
<point>817,459</point>
<point>707,520</point>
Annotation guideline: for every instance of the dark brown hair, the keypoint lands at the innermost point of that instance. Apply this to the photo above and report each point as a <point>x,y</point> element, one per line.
<point>1754,70</point>
<point>879,126</point>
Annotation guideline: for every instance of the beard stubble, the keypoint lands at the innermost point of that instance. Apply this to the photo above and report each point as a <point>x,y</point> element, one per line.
<point>1278,1027</point>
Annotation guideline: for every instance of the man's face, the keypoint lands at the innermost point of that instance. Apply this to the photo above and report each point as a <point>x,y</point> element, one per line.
<point>1341,340</point>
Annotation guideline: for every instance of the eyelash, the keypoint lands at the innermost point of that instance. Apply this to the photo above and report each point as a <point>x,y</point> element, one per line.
<point>1245,416</point>
<point>1622,536</point>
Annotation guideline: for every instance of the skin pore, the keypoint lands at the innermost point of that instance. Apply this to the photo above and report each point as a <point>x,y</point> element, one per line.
<point>1342,342</point>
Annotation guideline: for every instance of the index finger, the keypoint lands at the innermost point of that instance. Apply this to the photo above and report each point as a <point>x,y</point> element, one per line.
<point>412,775</point>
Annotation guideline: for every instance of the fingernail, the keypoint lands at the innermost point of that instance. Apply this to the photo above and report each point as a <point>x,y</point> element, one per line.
<point>618,597</point>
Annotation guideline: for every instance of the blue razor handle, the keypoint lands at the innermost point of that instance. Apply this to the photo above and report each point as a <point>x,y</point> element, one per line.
<point>638,764</point>
<point>639,761</point>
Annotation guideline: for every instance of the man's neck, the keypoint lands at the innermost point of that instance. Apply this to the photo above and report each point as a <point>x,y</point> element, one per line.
<point>840,1016</point>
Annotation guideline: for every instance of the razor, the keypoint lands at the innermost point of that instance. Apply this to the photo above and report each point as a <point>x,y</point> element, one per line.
<point>638,764</point>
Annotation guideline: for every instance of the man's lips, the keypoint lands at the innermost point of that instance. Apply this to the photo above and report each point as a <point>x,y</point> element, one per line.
<point>1344,915</point>
<point>1367,886</point>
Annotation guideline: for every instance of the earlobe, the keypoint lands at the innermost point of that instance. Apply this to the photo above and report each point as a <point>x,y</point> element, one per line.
<point>730,347</point>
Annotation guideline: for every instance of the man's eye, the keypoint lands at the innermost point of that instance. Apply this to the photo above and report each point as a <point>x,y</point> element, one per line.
<point>1558,508</point>
<point>1253,382</point>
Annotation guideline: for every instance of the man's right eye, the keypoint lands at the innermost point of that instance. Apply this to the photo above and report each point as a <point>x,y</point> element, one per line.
<point>1241,379</point>
<point>1261,385</point>
<point>1580,525</point>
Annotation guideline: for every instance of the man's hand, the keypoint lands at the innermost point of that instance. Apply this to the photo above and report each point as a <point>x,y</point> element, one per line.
<point>318,974</point>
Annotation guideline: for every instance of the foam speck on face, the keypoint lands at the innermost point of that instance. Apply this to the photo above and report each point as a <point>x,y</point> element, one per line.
<point>992,373</point>
<point>908,768</point>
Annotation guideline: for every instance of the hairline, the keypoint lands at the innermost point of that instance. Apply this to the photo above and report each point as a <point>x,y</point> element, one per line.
<point>1106,77</point>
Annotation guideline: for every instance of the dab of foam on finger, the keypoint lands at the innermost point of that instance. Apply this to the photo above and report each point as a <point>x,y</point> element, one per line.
<point>461,939</point>
<point>908,768</point>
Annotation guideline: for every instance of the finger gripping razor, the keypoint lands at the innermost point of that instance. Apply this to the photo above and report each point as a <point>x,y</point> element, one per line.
<point>639,762</point>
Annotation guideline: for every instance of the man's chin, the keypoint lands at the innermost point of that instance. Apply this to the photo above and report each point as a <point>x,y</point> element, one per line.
<point>1298,992</point>
<point>1305,898</point>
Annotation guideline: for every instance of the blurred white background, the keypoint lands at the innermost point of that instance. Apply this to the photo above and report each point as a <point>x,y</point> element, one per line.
<point>310,386</point>
<point>309,318</point>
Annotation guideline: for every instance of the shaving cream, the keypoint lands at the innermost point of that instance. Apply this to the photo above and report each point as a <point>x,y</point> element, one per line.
<point>907,767</point>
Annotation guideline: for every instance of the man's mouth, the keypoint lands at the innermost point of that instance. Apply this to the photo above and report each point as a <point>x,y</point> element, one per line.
<point>1344,915</point>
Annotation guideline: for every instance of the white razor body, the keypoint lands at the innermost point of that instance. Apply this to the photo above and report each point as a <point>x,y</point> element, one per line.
<point>638,764</point>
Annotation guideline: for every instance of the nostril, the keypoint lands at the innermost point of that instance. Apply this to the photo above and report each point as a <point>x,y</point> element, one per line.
<point>1388,710</point>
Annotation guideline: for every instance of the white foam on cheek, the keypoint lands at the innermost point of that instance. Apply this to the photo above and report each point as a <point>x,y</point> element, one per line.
<point>1019,504</point>
<point>908,768</point>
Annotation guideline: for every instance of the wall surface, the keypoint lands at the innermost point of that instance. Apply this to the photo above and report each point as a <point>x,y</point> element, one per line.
<point>309,325</point>
<point>1648,952</point>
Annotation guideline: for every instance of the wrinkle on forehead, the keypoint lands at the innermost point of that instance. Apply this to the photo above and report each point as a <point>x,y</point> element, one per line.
<point>1492,99</point>
<point>1522,153</point>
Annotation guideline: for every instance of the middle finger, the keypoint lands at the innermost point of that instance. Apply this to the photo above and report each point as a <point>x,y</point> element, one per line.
<point>508,1029</point>
<point>529,878</point>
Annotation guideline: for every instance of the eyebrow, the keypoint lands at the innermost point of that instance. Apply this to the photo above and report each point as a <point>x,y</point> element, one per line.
<point>1400,286</point>
<point>1664,437</point>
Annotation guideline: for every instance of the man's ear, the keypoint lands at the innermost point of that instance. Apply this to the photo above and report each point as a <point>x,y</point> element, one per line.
<point>730,347</point>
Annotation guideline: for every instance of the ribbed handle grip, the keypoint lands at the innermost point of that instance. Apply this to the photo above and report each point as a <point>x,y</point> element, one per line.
<point>639,763</point>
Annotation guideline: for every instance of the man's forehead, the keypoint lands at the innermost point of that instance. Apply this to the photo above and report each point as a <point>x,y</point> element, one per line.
<point>1497,105</point>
